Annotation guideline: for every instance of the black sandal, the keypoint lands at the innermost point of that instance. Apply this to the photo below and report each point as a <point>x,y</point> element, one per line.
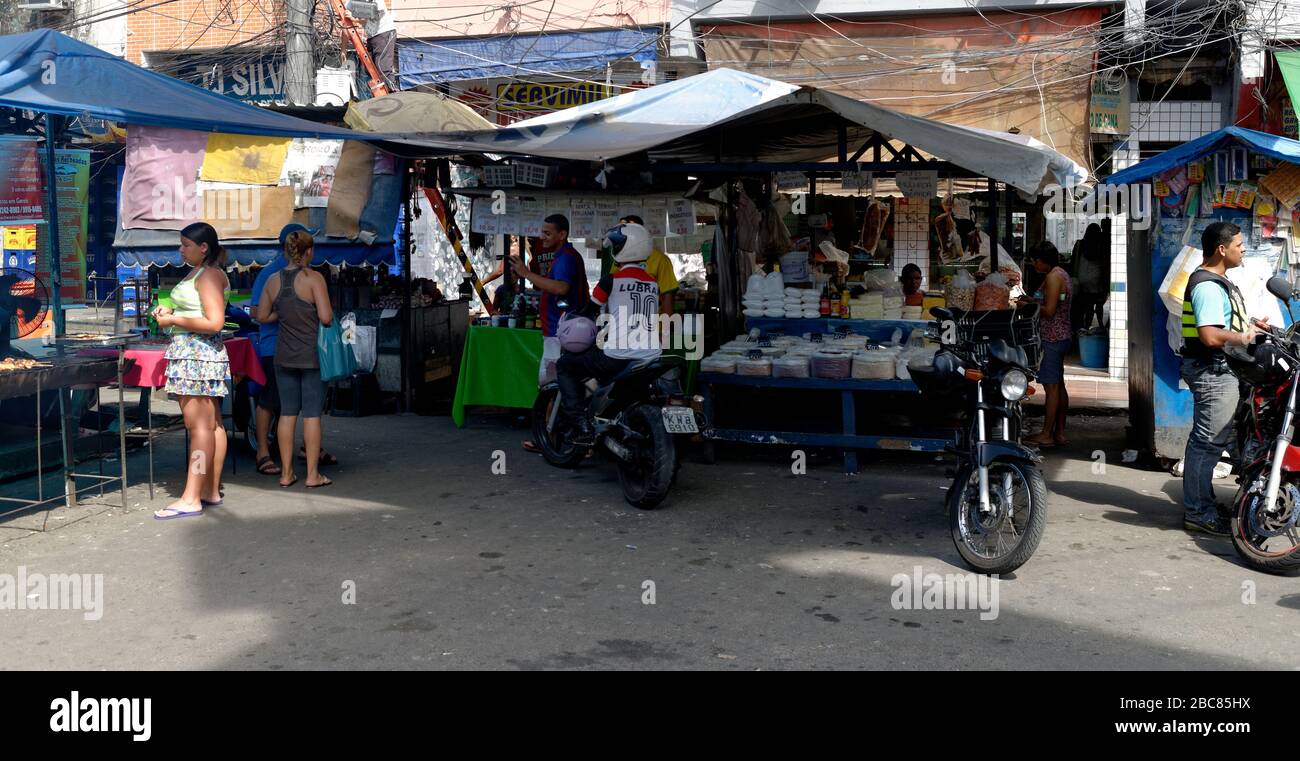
<point>262,462</point>
<point>325,457</point>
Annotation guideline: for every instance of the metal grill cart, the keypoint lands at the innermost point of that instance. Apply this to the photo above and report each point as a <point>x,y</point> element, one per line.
<point>68,367</point>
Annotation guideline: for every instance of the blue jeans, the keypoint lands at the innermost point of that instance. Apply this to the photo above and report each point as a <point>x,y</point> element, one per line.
<point>1215,393</point>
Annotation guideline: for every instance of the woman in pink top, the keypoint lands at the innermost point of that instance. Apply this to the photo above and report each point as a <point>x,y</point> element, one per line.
<point>1053,298</point>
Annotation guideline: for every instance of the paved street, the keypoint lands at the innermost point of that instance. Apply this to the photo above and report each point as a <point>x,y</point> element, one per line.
<point>752,568</point>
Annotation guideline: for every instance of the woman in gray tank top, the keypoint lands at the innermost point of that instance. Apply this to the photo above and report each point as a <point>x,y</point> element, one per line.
<point>297,299</point>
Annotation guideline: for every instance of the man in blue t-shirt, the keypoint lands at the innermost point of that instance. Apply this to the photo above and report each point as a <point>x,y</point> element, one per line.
<point>1214,316</point>
<point>564,276</point>
<point>268,401</point>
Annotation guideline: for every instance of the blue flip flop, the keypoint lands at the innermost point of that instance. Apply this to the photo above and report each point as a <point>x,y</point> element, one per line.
<point>177,514</point>
<point>206,504</point>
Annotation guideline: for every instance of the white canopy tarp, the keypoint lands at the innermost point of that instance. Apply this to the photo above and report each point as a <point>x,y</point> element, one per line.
<point>727,116</point>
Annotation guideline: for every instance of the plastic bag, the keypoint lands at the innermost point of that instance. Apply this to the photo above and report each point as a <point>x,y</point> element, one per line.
<point>1173,287</point>
<point>551,353</point>
<point>337,360</point>
<point>960,293</point>
<point>993,293</point>
<point>774,286</point>
<point>880,280</point>
<point>365,347</point>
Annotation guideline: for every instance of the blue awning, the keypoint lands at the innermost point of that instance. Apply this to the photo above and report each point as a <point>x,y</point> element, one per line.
<point>52,72</point>
<point>1277,147</point>
<point>431,62</point>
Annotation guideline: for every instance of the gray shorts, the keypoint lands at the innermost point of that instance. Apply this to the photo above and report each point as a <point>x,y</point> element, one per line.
<point>301,391</point>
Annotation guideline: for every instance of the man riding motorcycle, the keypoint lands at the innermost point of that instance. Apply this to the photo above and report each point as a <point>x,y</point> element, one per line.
<point>630,298</point>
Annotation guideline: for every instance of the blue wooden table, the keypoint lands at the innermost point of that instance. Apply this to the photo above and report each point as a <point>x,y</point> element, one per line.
<point>846,438</point>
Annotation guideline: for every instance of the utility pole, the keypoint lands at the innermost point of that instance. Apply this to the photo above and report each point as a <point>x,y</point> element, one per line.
<point>299,63</point>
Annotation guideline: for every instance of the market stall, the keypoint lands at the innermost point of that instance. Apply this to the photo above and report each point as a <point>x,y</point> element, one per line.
<point>1237,175</point>
<point>725,140</point>
<point>199,156</point>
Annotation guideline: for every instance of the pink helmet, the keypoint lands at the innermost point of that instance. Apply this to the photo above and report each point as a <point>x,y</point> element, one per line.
<point>576,334</point>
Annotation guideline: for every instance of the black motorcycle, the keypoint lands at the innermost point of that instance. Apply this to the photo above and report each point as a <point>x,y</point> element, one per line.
<point>638,415</point>
<point>997,504</point>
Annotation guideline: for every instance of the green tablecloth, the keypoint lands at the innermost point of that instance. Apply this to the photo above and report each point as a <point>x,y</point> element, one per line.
<point>498,369</point>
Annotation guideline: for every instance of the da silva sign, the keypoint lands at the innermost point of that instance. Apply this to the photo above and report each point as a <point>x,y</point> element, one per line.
<point>548,96</point>
<point>260,81</point>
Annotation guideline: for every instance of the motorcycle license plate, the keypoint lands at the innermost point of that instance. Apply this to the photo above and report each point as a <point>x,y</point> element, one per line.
<point>680,420</point>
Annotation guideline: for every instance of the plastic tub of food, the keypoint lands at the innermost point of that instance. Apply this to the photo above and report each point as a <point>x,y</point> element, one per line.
<point>831,364</point>
<point>791,366</point>
<point>716,364</point>
<point>878,364</point>
<point>754,367</point>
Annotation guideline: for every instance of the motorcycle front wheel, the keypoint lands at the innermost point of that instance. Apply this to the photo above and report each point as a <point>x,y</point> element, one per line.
<point>1004,538</point>
<point>647,479</point>
<point>1267,542</point>
<point>555,448</point>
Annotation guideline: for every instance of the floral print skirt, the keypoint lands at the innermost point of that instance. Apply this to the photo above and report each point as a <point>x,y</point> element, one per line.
<point>197,365</point>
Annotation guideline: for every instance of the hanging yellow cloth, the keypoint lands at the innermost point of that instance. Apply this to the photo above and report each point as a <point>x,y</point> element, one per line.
<point>246,159</point>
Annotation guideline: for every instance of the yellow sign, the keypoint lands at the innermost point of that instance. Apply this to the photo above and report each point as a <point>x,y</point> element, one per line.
<point>21,238</point>
<point>1108,109</point>
<point>548,96</point>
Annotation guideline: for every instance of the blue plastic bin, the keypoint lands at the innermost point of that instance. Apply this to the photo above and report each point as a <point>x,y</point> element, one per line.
<point>1094,351</point>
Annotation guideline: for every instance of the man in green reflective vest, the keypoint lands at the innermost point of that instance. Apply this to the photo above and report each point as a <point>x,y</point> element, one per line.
<point>1214,316</point>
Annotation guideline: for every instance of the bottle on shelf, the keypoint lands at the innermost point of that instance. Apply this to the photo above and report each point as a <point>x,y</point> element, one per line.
<point>517,311</point>
<point>825,309</point>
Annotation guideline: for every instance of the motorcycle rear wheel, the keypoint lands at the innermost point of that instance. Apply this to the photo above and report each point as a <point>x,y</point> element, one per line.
<point>647,480</point>
<point>1269,554</point>
<point>1022,531</point>
<point>555,448</point>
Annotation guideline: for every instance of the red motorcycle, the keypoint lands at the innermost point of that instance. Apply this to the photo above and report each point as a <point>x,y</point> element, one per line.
<point>1267,504</point>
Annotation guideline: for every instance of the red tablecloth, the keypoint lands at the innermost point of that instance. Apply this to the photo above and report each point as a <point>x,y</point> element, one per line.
<point>150,370</point>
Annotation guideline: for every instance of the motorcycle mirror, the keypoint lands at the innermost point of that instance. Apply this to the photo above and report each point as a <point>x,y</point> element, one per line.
<point>941,314</point>
<point>1280,287</point>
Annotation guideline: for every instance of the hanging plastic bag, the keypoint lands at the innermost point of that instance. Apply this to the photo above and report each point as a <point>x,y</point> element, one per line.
<point>880,280</point>
<point>336,358</point>
<point>1174,286</point>
<point>993,293</point>
<point>365,347</point>
<point>960,293</point>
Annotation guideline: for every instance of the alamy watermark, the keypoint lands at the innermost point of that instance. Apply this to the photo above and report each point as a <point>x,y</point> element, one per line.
<point>227,208</point>
<point>1130,201</point>
<point>57,591</point>
<point>646,329</point>
<point>952,591</point>
<point>77,714</point>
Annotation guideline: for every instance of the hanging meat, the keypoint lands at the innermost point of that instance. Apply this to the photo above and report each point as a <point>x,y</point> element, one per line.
<point>873,224</point>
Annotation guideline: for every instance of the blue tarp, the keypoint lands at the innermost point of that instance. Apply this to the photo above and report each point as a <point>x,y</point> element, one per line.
<point>1259,142</point>
<point>423,63</point>
<point>51,72</point>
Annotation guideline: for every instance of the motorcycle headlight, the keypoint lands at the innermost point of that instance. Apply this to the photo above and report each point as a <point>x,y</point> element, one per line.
<point>1014,385</point>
